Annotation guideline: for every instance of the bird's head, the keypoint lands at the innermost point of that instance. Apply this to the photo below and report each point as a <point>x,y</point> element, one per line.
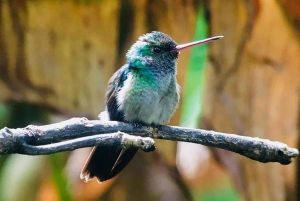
<point>155,50</point>
<point>158,51</point>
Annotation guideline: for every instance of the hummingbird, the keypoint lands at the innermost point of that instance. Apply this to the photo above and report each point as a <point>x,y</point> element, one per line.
<point>144,91</point>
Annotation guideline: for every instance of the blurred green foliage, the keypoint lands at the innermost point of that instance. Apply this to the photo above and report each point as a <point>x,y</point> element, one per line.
<point>20,176</point>
<point>192,103</point>
<point>57,162</point>
<point>221,191</point>
<point>195,80</point>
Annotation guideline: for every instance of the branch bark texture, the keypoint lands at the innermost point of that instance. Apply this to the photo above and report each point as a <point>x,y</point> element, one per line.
<point>80,132</point>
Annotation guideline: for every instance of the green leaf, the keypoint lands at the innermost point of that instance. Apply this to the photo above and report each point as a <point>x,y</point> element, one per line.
<point>194,82</point>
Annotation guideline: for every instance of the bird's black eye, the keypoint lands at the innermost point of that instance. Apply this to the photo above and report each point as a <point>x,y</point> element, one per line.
<point>156,49</point>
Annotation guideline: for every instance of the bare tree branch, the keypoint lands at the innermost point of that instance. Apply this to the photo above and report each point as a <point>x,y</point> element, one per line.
<point>114,139</point>
<point>81,132</point>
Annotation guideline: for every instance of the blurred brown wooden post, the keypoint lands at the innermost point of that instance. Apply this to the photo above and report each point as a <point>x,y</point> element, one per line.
<point>58,54</point>
<point>253,86</point>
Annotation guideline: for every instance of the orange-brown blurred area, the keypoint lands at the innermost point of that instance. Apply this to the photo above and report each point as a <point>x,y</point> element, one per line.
<point>57,56</point>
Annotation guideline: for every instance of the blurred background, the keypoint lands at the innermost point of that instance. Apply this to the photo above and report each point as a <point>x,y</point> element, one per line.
<point>57,56</point>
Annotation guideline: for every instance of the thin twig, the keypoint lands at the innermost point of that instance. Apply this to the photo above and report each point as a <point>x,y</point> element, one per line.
<point>118,139</point>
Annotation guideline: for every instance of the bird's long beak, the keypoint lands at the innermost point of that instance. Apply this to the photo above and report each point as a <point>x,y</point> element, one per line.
<point>199,42</point>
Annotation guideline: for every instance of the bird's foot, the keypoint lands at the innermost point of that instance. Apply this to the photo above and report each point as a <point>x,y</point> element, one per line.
<point>157,127</point>
<point>137,125</point>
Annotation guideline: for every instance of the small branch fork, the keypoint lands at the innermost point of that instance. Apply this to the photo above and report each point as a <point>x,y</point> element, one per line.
<point>80,132</point>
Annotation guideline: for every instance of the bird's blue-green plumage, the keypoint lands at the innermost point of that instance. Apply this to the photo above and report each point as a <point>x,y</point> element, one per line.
<point>144,91</point>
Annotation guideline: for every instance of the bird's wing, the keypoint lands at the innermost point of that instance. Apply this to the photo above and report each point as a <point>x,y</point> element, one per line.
<point>106,162</point>
<point>114,86</point>
<point>122,156</point>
